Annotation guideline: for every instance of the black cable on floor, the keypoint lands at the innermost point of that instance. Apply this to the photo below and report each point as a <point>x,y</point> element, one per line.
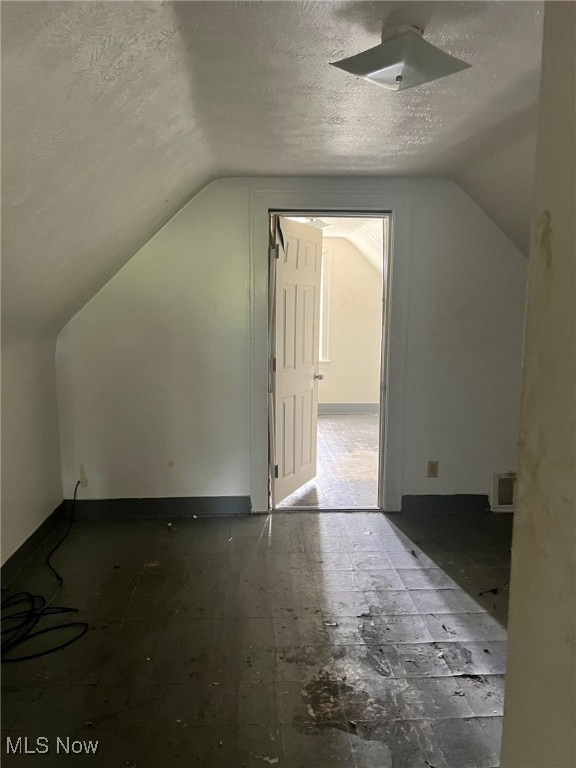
<point>66,532</point>
<point>22,612</point>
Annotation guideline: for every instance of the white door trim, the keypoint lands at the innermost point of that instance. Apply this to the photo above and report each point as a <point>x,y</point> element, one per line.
<point>349,199</point>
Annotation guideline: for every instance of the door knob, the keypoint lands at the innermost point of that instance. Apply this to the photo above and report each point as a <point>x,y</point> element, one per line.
<point>318,376</point>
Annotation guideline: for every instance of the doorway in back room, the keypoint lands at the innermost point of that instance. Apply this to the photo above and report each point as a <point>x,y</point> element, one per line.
<point>328,288</point>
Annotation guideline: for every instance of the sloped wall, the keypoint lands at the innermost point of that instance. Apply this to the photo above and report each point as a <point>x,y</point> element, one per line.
<point>31,477</point>
<point>501,180</point>
<point>154,372</point>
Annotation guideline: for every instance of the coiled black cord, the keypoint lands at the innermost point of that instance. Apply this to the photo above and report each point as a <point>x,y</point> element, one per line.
<point>22,611</point>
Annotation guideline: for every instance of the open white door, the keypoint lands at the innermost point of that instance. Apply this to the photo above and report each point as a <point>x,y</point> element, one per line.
<point>296,353</point>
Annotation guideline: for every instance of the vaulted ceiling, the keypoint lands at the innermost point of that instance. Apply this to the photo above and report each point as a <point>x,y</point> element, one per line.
<point>116,113</point>
<point>365,234</point>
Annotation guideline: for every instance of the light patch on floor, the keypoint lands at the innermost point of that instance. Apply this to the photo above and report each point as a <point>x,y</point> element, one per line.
<point>347,464</point>
<point>296,639</point>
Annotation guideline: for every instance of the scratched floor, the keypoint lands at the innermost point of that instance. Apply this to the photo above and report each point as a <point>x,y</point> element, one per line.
<point>347,465</point>
<point>300,640</point>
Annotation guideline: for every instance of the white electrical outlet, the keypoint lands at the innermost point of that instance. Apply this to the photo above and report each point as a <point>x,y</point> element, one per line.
<point>432,469</point>
<point>83,478</point>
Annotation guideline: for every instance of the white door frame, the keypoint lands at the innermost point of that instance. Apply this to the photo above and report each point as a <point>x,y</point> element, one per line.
<point>354,198</point>
<point>384,321</point>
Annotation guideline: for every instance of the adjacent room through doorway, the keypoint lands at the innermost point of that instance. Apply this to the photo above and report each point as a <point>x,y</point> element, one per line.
<point>328,286</point>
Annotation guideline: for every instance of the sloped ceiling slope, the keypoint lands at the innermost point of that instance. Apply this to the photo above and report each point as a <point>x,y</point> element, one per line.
<point>116,113</point>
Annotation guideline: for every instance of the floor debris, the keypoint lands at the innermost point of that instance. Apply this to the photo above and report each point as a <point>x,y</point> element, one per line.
<point>381,688</point>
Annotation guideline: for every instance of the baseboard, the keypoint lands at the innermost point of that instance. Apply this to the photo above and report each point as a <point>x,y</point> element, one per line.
<point>457,503</point>
<point>184,506</point>
<point>29,547</point>
<point>343,409</point>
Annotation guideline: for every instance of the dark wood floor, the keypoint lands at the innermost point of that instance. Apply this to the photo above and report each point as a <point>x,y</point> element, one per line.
<point>299,640</point>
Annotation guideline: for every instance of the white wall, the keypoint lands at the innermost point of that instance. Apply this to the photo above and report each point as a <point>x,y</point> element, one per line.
<point>511,161</point>
<point>466,321</point>
<point>352,374</point>
<point>31,479</point>
<point>540,702</point>
<point>154,372</point>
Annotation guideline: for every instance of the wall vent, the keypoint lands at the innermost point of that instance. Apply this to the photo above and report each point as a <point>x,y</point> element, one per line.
<point>502,489</point>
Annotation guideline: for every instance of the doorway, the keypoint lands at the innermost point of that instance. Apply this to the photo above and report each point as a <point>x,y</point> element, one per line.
<point>328,303</point>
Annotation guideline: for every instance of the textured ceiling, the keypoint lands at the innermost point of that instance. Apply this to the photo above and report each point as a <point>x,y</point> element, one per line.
<point>115,113</point>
